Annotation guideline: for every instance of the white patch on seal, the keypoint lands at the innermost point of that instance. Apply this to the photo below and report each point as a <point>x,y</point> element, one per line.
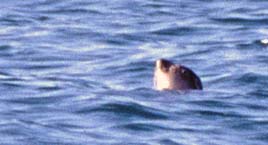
<point>162,77</point>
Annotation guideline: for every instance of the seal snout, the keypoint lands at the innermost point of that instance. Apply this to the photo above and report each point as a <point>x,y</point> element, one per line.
<point>163,64</point>
<point>159,63</point>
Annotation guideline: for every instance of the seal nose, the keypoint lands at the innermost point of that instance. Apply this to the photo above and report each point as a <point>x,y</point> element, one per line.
<point>159,63</point>
<point>164,64</point>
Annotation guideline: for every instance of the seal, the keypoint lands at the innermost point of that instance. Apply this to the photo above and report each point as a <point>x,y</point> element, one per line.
<point>169,76</point>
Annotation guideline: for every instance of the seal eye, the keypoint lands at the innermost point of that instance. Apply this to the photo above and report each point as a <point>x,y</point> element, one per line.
<point>183,71</point>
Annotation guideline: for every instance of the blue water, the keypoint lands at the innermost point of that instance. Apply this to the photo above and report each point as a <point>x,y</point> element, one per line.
<point>80,72</point>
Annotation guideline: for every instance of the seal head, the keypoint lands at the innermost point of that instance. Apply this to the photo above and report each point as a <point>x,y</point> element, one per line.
<point>169,76</point>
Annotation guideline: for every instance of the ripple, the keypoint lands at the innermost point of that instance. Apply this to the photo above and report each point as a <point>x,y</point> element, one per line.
<point>215,114</point>
<point>175,31</point>
<point>169,142</point>
<point>139,127</point>
<point>241,20</point>
<point>130,110</point>
<point>249,78</point>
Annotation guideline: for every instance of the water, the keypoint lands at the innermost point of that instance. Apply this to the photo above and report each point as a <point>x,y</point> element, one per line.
<point>80,72</point>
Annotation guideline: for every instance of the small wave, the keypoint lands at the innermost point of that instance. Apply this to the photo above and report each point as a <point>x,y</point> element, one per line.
<point>72,11</point>
<point>241,21</point>
<point>138,127</point>
<point>250,78</point>
<point>174,31</point>
<point>216,114</point>
<point>128,110</point>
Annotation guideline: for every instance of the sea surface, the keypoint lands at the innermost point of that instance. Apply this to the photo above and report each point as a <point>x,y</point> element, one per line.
<point>80,72</point>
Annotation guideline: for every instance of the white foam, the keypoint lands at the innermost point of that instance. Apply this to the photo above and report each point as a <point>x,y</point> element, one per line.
<point>263,31</point>
<point>115,85</point>
<point>91,47</point>
<point>233,55</point>
<point>36,33</point>
<point>264,41</point>
<point>2,76</point>
<point>15,44</point>
<point>159,50</point>
<point>6,30</point>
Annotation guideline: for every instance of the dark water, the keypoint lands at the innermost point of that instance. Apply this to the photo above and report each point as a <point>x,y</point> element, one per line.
<point>80,72</point>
